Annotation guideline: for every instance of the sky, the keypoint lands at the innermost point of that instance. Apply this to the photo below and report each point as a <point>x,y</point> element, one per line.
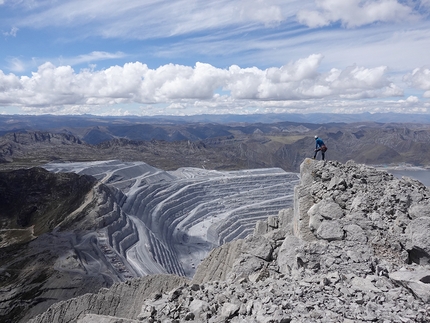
<point>186,57</point>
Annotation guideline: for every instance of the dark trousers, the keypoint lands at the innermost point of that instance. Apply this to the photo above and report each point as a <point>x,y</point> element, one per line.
<point>322,153</point>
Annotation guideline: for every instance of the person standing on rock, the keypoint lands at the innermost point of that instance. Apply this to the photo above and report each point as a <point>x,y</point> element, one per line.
<point>320,146</point>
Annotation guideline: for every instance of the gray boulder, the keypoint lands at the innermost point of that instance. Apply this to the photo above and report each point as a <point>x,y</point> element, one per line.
<point>418,243</point>
<point>416,281</point>
<point>330,230</point>
<point>287,255</point>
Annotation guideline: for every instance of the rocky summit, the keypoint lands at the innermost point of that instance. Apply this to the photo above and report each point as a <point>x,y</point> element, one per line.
<point>355,248</point>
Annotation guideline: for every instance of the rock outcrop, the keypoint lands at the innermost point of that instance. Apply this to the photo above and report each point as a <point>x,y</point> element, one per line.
<point>353,249</point>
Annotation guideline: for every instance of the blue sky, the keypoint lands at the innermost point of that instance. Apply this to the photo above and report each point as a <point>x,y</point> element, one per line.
<point>188,57</point>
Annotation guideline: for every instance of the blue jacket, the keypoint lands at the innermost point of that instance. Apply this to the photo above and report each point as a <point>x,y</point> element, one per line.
<point>318,143</point>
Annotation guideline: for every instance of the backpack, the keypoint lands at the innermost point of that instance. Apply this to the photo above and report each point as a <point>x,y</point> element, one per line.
<point>323,148</point>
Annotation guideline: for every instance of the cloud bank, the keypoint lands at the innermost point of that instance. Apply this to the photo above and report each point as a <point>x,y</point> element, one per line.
<point>204,88</point>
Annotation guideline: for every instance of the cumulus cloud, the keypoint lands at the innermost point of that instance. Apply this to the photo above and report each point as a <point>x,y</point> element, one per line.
<point>52,87</point>
<point>355,13</point>
<point>301,80</point>
<point>9,83</point>
<point>420,78</point>
<point>412,99</point>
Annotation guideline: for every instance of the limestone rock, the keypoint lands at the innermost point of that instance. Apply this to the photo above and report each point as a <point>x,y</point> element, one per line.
<point>259,246</point>
<point>287,255</point>
<point>418,243</point>
<point>122,300</point>
<point>285,217</point>
<point>217,265</point>
<point>417,281</point>
<point>330,230</point>
<point>261,227</point>
<point>363,284</point>
<point>419,210</point>
<point>94,318</point>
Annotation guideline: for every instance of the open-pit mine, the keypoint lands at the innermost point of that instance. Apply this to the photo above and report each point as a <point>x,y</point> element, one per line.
<point>167,221</point>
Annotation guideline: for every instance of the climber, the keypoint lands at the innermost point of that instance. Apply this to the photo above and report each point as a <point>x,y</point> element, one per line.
<point>320,146</point>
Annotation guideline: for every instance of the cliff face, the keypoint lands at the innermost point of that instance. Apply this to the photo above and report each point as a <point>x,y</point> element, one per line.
<point>355,248</point>
<point>49,247</point>
<point>38,199</point>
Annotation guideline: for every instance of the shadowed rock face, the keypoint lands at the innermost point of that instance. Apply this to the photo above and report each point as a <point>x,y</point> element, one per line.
<point>359,263</point>
<point>34,203</point>
<point>39,199</point>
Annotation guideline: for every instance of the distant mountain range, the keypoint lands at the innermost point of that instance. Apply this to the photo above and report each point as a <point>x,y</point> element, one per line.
<point>220,142</point>
<point>50,122</point>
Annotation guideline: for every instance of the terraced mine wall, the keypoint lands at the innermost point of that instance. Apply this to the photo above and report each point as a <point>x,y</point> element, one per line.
<point>168,221</point>
<point>355,248</point>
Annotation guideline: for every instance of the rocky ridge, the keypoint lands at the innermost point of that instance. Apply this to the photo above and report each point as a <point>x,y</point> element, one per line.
<point>355,248</point>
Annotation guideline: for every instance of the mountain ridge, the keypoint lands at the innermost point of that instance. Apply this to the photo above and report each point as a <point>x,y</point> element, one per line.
<point>226,147</point>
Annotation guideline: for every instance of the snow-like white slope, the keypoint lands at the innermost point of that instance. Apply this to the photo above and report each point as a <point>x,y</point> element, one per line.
<point>173,218</point>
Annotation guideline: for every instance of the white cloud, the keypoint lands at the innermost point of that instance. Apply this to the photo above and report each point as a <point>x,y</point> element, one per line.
<point>420,78</point>
<point>9,83</point>
<point>355,13</point>
<point>301,80</point>
<point>412,99</point>
<point>13,31</point>
<point>177,81</point>
<point>177,106</point>
<point>156,18</point>
<point>179,86</point>
<point>425,4</point>
<point>261,11</point>
<point>15,64</point>
<point>91,57</point>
